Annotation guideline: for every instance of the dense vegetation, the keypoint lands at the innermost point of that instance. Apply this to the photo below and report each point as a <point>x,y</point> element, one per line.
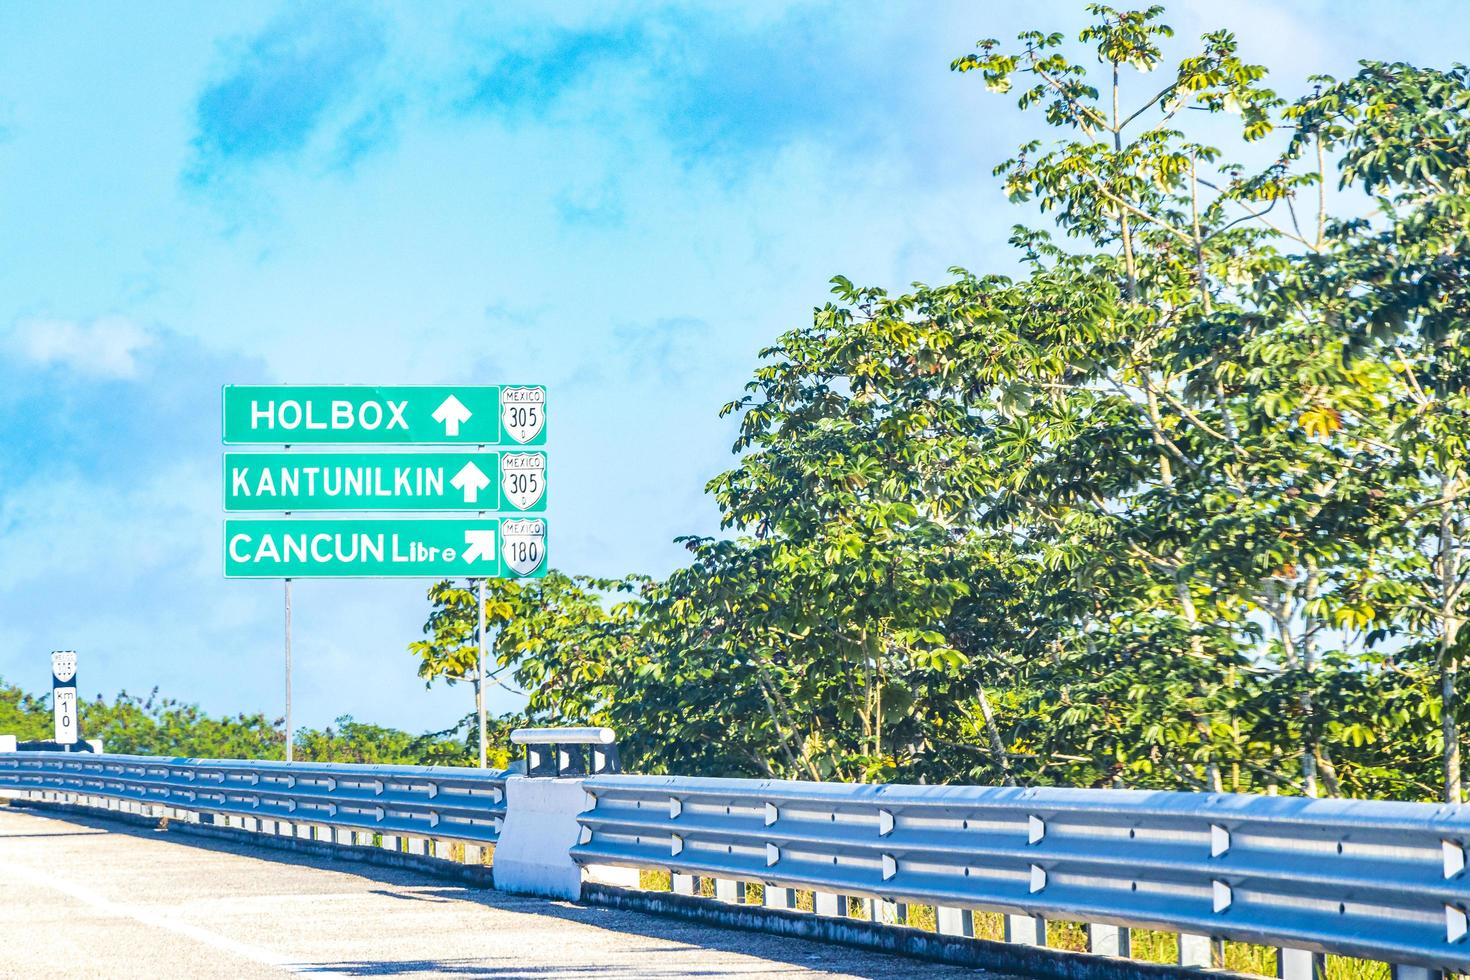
<point>1182,504</point>
<point>161,726</point>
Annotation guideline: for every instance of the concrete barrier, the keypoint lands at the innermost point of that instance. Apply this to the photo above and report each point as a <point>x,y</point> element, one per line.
<point>534,853</point>
<point>533,856</point>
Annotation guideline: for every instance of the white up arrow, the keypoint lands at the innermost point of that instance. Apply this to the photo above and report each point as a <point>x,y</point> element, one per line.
<point>479,544</point>
<point>452,413</point>
<point>470,479</point>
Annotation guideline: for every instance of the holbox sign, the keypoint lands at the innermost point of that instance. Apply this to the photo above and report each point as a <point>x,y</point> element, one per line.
<point>488,415</point>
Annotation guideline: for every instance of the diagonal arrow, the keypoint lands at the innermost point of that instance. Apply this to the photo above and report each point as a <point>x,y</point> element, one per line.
<point>452,413</point>
<point>471,480</point>
<point>479,545</point>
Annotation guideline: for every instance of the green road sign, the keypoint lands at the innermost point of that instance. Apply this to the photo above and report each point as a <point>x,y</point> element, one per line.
<point>391,414</point>
<point>385,548</point>
<point>358,481</point>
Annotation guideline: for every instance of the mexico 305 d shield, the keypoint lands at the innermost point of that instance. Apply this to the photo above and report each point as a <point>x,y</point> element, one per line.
<point>523,480</point>
<point>522,412</point>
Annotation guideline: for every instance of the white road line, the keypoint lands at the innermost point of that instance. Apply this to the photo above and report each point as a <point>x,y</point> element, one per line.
<point>171,923</point>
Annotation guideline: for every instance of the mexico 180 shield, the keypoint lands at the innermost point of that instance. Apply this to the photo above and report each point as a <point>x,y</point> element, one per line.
<point>523,544</point>
<point>523,412</point>
<point>523,478</point>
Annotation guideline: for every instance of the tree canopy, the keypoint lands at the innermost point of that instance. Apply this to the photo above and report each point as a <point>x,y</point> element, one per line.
<point>1178,502</point>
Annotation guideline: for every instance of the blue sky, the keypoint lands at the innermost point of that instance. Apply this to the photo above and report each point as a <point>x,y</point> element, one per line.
<point>623,201</point>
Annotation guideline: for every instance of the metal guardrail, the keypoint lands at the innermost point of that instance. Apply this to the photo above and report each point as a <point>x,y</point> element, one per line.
<point>429,801</point>
<point>1376,880</point>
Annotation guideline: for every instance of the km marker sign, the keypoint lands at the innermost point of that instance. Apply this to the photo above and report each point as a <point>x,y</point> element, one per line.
<point>488,415</point>
<point>399,481</point>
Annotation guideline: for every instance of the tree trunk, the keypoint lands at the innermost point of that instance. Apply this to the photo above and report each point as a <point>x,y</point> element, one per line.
<point>1279,608</point>
<point>1449,663</point>
<point>1313,754</point>
<point>479,699</point>
<point>997,744</point>
<point>1448,705</point>
<point>1329,772</point>
<point>1197,649</point>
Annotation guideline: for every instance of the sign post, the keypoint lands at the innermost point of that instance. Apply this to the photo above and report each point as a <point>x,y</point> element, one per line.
<point>480,708</point>
<point>290,729</point>
<point>64,696</point>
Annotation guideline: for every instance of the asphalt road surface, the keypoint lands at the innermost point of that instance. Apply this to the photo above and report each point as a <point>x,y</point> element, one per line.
<point>86,898</point>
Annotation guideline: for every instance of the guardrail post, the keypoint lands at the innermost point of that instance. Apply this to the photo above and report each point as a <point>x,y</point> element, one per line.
<point>779,898</point>
<point>1202,951</point>
<point>1106,940</point>
<point>1300,964</point>
<point>1028,930</point>
<point>1402,972</point>
<point>954,922</point>
<point>7,743</point>
<point>826,903</point>
<point>730,891</point>
<point>885,912</point>
<point>685,884</point>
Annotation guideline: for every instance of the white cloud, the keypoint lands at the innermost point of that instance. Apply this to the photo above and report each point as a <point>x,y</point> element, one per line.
<point>106,347</point>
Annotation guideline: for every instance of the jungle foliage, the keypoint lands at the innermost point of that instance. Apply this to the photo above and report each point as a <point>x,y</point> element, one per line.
<point>157,725</point>
<point>1181,503</point>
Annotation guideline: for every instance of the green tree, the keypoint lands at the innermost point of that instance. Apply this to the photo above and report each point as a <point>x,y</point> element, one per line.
<point>1179,504</point>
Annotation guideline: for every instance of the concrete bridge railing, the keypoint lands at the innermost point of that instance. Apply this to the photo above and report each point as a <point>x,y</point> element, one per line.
<point>1376,880</point>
